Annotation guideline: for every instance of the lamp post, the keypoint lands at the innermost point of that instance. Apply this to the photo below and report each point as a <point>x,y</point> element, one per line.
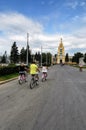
<point>46,58</point>
<point>41,56</point>
<point>27,47</point>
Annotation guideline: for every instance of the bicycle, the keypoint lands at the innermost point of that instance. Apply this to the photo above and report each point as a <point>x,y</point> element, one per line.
<point>34,81</point>
<point>22,78</point>
<point>44,76</point>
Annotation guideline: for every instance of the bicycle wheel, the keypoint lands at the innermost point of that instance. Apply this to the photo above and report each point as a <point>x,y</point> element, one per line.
<point>43,77</point>
<point>32,84</point>
<point>20,81</point>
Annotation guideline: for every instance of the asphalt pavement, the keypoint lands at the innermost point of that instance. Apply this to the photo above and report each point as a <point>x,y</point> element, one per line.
<point>56,104</point>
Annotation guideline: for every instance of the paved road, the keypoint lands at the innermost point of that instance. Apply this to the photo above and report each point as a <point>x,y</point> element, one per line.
<point>57,104</point>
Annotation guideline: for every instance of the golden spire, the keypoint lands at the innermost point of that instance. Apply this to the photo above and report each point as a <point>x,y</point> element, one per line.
<point>61,44</point>
<point>61,40</point>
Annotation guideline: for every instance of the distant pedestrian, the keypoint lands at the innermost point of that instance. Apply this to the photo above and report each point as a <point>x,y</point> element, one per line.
<point>80,66</point>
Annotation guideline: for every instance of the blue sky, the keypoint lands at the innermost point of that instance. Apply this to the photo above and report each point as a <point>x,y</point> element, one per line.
<point>46,21</point>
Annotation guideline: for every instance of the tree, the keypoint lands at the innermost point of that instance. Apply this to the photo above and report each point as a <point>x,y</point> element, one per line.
<point>4,58</point>
<point>23,55</point>
<point>55,55</point>
<point>46,58</point>
<point>67,57</point>
<point>43,57</point>
<point>85,57</point>
<point>49,58</point>
<point>76,57</point>
<point>14,56</point>
<point>38,57</point>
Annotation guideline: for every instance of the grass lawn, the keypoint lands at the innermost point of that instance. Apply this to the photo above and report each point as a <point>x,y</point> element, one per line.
<point>84,67</point>
<point>6,77</point>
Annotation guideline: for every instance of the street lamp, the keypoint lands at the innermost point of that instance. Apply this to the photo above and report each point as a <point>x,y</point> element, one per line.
<point>41,56</point>
<point>27,47</point>
<point>46,58</point>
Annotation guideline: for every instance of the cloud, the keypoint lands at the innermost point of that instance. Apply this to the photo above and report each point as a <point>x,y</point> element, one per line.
<point>17,23</point>
<point>72,5</point>
<point>43,2</point>
<point>14,27</point>
<point>51,2</point>
<point>74,43</point>
<point>75,4</point>
<point>83,3</point>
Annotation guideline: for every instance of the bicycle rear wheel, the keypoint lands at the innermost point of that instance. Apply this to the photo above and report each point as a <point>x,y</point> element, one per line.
<point>32,84</point>
<point>44,77</point>
<point>20,81</point>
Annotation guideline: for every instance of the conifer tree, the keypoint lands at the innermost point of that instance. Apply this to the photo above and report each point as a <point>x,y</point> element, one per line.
<point>67,57</point>
<point>14,55</point>
<point>23,55</point>
<point>85,57</point>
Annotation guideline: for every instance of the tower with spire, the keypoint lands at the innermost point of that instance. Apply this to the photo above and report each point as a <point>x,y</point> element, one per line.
<point>61,53</point>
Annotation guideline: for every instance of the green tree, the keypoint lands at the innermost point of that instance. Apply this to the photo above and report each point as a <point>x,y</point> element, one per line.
<point>14,55</point>
<point>4,58</point>
<point>67,57</point>
<point>43,58</point>
<point>85,57</point>
<point>49,55</point>
<point>76,57</point>
<point>38,57</point>
<point>23,55</point>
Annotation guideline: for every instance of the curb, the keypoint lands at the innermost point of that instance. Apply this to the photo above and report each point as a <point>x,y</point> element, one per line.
<point>2,82</point>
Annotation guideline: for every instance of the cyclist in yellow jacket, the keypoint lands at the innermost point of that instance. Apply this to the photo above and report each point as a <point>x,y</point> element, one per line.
<point>34,70</point>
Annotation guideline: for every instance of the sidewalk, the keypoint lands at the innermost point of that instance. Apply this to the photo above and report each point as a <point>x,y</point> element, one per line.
<point>5,81</point>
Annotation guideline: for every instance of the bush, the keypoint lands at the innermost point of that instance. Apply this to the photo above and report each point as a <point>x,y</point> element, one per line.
<point>8,70</point>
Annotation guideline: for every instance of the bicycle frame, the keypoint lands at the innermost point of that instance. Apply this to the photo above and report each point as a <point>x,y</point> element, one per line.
<point>33,81</point>
<point>44,75</point>
<point>22,78</point>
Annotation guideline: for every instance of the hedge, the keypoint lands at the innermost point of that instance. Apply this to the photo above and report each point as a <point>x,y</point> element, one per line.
<point>8,70</point>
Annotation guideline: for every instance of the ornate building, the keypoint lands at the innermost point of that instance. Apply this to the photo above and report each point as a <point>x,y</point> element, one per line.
<point>61,53</point>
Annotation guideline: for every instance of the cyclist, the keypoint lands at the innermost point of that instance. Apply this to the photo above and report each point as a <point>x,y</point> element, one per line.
<point>34,70</point>
<point>44,71</point>
<point>22,70</point>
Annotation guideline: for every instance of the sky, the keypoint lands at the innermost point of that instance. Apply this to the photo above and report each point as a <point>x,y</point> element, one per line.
<point>46,22</point>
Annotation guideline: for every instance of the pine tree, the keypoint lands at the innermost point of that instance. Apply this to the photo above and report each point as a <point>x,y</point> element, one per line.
<point>14,56</point>
<point>85,57</point>
<point>4,58</point>
<point>76,57</point>
<point>67,57</point>
<point>23,55</point>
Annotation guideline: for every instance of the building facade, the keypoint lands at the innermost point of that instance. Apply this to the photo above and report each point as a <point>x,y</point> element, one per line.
<point>61,53</point>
